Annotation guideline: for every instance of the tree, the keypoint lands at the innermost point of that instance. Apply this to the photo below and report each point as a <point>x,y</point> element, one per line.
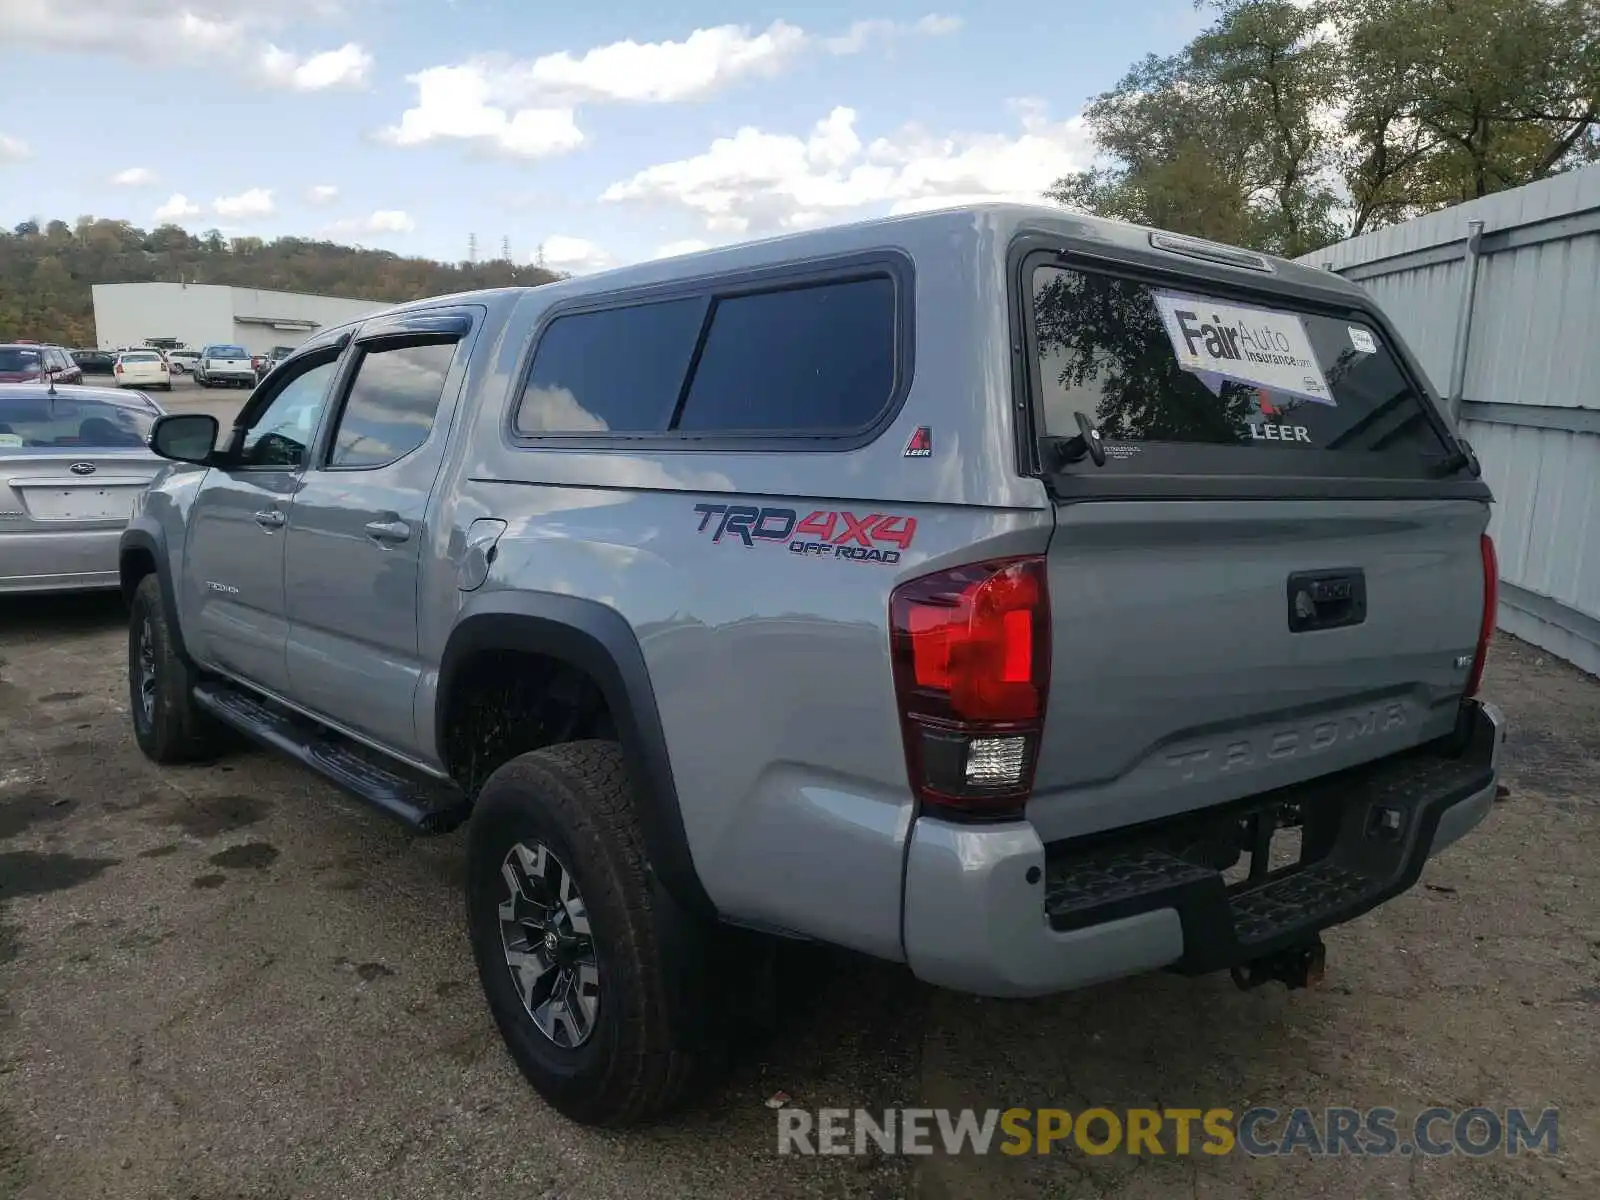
<point>45,278</point>
<point>1287,125</point>
<point>1450,100</point>
<point>1223,139</point>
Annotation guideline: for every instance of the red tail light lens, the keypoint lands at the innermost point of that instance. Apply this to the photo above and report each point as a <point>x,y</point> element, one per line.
<point>1491,608</point>
<point>971,652</point>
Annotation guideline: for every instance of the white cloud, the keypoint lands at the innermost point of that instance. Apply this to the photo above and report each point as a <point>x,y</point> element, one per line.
<point>255,202</point>
<point>176,208</point>
<point>527,108</point>
<point>574,255</point>
<point>864,33</point>
<point>321,193</point>
<point>346,67</point>
<point>153,31</point>
<point>756,181</point>
<point>458,103</point>
<point>385,220</point>
<point>135,177</point>
<point>13,149</point>
<point>658,72</point>
<point>686,246</point>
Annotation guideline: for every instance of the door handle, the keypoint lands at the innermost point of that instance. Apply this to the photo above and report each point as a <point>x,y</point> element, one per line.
<point>1327,599</point>
<point>270,518</point>
<point>388,531</point>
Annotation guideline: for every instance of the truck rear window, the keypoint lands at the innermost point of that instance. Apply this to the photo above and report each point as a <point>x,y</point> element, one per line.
<point>1154,364</point>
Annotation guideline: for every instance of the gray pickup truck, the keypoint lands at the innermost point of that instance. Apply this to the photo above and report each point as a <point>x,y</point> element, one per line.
<point>1030,599</point>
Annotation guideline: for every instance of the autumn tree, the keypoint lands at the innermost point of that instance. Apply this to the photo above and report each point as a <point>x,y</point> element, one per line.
<point>47,268</point>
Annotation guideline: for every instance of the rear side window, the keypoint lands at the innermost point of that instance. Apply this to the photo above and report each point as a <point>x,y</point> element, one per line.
<point>805,360</point>
<point>813,359</point>
<point>618,370</point>
<point>392,404</point>
<point>1152,364</point>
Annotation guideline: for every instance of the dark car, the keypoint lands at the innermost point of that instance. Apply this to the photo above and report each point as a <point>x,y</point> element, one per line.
<point>95,362</point>
<point>30,362</point>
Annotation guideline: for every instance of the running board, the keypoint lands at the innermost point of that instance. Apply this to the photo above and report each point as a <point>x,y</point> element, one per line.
<point>425,804</point>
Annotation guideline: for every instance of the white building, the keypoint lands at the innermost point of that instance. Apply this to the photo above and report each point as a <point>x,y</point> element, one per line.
<point>198,314</point>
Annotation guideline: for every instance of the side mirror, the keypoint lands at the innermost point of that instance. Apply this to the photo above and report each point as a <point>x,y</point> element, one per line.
<point>186,437</point>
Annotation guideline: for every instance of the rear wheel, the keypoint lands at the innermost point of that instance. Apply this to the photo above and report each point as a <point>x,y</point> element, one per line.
<point>167,724</point>
<point>596,980</point>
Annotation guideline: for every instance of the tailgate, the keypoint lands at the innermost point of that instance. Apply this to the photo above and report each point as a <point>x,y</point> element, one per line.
<point>1178,681</point>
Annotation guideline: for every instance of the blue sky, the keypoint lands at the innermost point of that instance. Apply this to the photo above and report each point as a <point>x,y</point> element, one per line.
<point>603,133</point>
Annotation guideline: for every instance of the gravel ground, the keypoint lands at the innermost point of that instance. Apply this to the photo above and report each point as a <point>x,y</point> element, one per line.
<point>229,980</point>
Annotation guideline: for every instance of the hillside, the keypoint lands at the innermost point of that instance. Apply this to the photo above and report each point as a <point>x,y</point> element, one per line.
<point>46,272</point>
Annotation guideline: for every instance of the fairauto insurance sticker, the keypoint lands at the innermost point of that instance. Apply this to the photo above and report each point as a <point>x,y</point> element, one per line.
<point>1261,347</point>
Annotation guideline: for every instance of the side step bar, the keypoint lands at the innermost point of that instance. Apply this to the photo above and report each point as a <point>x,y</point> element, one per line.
<point>425,804</point>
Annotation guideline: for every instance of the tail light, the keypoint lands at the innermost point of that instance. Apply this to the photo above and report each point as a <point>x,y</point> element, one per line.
<point>1491,608</point>
<point>971,654</point>
<point>117,368</point>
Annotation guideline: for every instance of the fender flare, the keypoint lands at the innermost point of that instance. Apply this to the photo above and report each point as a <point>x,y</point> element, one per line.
<point>145,536</point>
<point>599,641</point>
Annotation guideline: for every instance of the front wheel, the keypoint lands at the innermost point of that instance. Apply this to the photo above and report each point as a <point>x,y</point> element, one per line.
<point>593,975</point>
<point>167,724</point>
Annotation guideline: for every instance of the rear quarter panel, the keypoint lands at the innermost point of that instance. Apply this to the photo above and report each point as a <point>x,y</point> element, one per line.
<point>770,667</point>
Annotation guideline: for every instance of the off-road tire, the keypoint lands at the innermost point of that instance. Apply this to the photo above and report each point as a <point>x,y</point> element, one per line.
<point>655,1035</point>
<point>172,728</point>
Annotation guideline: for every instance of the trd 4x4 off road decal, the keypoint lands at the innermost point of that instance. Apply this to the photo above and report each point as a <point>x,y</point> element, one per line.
<point>823,533</point>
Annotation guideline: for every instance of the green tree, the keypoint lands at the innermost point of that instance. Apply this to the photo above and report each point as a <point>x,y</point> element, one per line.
<point>1223,139</point>
<point>1287,125</point>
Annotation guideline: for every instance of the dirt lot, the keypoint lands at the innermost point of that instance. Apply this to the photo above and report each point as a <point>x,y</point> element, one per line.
<point>230,981</point>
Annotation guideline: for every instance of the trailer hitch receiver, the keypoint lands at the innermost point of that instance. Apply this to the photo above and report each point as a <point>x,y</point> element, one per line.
<point>1295,967</point>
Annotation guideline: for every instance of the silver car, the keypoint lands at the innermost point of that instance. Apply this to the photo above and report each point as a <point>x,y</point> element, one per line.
<point>72,460</point>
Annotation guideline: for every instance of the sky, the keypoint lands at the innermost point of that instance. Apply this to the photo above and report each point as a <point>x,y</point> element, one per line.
<point>585,136</point>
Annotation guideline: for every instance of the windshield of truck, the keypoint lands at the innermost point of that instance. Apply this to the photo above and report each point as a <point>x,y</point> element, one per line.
<point>1156,365</point>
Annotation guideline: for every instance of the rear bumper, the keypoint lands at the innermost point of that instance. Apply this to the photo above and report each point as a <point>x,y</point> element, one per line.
<point>992,910</point>
<point>52,561</point>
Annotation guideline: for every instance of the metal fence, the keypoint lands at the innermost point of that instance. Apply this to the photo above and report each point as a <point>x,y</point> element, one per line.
<point>1500,299</point>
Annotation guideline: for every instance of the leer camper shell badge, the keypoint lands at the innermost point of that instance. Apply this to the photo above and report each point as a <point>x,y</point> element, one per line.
<point>921,443</point>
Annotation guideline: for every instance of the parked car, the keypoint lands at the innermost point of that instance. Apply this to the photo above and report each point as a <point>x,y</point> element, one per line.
<point>971,589</point>
<point>224,365</point>
<point>182,361</point>
<point>95,362</point>
<point>72,460</point>
<point>21,362</point>
<point>143,368</point>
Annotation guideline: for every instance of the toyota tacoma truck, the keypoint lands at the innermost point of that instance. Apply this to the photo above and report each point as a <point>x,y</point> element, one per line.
<point>1030,599</point>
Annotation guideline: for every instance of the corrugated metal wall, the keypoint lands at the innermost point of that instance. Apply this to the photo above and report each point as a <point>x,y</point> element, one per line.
<point>1529,379</point>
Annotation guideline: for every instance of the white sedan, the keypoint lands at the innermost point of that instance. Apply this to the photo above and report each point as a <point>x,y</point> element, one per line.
<point>142,368</point>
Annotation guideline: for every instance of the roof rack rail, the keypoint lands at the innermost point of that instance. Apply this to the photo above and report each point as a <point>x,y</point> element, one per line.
<point>1175,243</point>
